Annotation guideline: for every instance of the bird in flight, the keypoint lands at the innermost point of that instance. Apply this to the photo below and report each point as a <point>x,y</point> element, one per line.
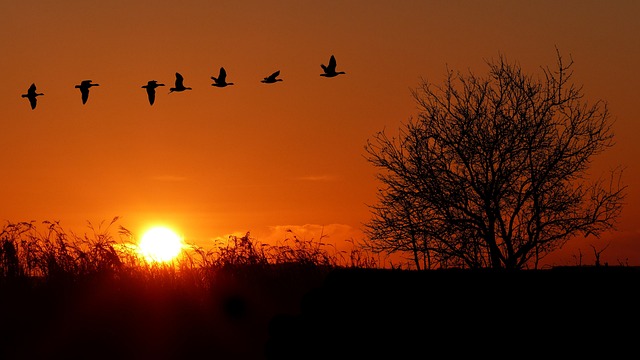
<point>179,84</point>
<point>84,89</point>
<point>271,78</point>
<point>330,70</point>
<point>32,95</point>
<point>221,80</point>
<point>151,90</point>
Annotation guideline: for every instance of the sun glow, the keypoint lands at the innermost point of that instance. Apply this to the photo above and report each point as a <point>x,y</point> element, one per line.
<point>160,244</point>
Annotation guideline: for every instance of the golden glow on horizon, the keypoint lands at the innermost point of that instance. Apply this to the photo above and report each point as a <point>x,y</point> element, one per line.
<point>270,157</point>
<point>160,244</point>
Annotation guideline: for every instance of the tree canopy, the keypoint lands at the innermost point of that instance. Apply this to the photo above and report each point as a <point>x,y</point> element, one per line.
<point>493,172</point>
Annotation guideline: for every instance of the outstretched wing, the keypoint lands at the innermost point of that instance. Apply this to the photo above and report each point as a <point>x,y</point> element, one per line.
<point>223,75</point>
<point>179,80</point>
<point>332,63</point>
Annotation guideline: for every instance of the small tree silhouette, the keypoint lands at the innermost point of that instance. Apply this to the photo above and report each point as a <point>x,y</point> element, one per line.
<point>493,173</point>
<point>598,253</point>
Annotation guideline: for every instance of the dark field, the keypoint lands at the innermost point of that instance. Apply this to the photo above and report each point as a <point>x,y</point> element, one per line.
<point>297,312</point>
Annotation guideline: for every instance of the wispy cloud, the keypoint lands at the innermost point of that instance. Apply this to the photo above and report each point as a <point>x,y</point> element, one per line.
<point>330,233</point>
<point>224,238</point>
<point>169,178</point>
<point>317,178</point>
<point>337,239</point>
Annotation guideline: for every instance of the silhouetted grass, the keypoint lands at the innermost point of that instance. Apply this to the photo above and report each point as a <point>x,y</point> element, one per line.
<point>64,295</point>
<point>63,292</point>
<point>50,253</point>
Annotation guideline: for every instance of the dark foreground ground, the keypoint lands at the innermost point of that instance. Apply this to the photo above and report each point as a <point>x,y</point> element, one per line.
<point>321,314</point>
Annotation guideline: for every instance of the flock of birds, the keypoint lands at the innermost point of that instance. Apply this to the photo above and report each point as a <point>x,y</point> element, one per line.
<point>32,94</point>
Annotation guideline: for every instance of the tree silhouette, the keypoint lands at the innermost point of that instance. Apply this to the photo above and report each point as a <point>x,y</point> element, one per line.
<point>493,173</point>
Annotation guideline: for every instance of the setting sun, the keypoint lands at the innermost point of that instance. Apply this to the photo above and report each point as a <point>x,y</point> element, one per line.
<point>160,244</point>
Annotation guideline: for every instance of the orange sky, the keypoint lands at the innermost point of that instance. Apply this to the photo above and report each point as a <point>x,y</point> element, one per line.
<point>266,157</point>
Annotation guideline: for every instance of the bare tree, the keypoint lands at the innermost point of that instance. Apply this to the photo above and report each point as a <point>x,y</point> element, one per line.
<point>598,253</point>
<point>494,171</point>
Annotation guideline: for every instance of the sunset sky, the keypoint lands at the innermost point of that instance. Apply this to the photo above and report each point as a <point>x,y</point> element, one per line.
<point>263,158</point>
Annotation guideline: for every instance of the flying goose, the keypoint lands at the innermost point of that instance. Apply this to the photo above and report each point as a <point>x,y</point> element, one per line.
<point>151,90</point>
<point>330,70</point>
<point>179,84</point>
<point>84,89</point>
<point>271,78</point>
<point>32,95</point>
<point>221,80</point>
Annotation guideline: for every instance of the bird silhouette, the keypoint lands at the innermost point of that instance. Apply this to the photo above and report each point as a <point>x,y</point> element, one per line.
<point>151,90</point>
<point>271,78</point>
<point>179,84</point>
<point>330,70</point>
<point>32,95</point>
<point>84,89</point>
<point>221,80</point>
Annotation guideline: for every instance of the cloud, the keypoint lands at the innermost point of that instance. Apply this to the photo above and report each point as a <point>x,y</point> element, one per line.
<point>330,233</point>
<point>340,240</point>
<point>169,178</point>
<point>224,238</point>
<point>317,178</point>
<point>335,234</point>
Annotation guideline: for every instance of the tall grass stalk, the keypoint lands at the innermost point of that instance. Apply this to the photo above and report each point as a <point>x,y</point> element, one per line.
<point>48,252</point>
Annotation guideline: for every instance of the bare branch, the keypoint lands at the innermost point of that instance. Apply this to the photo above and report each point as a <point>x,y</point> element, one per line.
<point>493,171</point>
